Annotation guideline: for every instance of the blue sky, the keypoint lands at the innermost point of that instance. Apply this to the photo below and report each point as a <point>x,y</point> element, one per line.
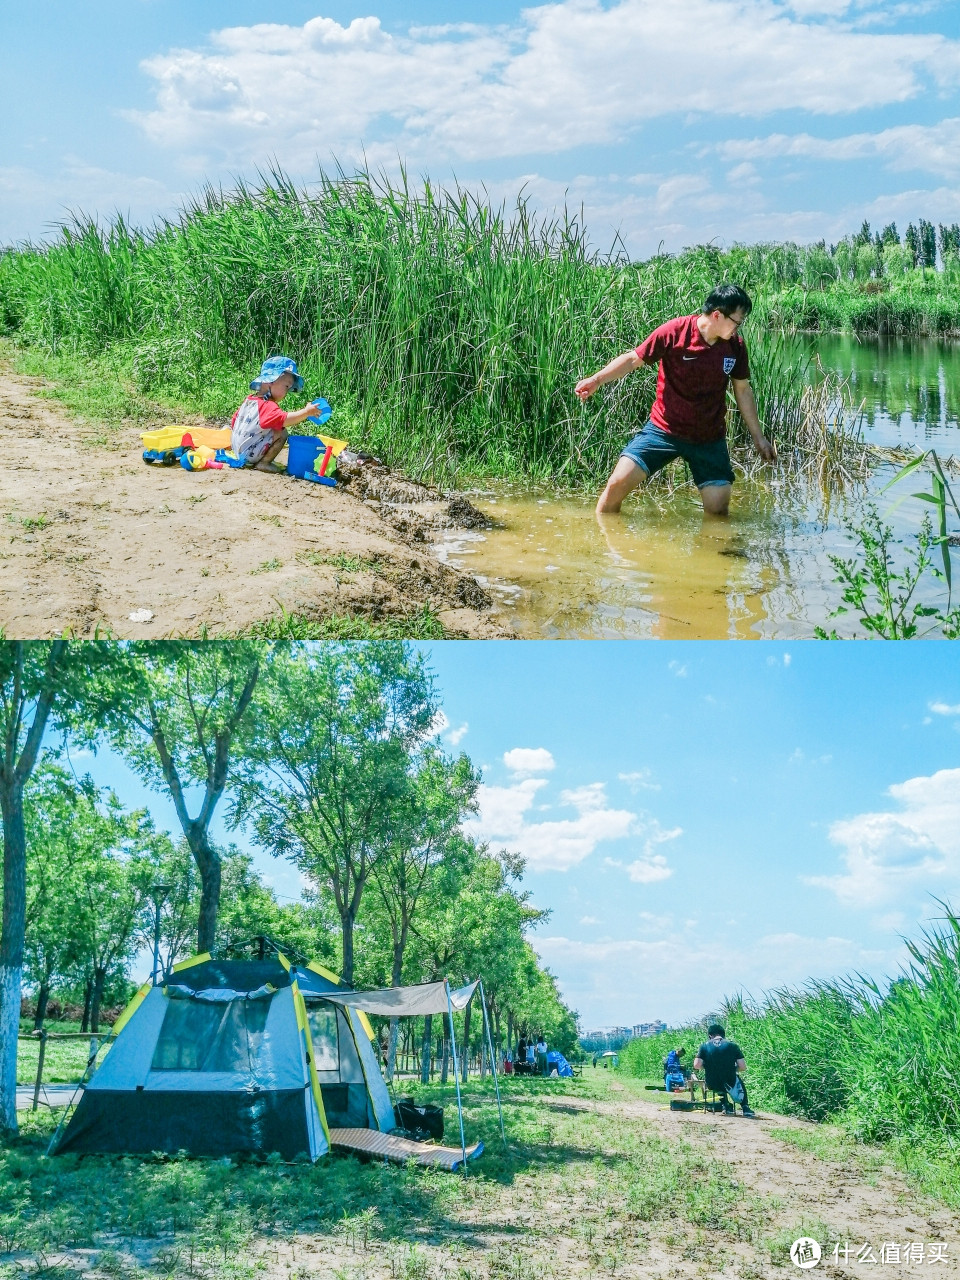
<point>674,124</point>
<point>705,818</point>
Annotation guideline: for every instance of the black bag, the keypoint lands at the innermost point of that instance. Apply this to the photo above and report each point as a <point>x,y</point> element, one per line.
<point>420,1118</point>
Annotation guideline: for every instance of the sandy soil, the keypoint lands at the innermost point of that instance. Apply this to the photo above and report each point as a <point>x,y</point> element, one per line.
<point>93,540</point>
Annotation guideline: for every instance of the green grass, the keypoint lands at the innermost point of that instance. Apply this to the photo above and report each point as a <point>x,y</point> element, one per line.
<point>447,333</point>
<point>423,624</point>
<point>927,305</point>
<point>64,1060</point>
<point>579,1185</point>
<point>340,560</point>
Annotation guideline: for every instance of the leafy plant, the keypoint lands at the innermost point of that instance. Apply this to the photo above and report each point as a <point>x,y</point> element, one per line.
<point>884,596</point>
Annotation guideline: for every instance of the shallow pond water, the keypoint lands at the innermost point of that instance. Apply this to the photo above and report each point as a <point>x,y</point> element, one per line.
<point>910,387</point>
<point>665,570</point>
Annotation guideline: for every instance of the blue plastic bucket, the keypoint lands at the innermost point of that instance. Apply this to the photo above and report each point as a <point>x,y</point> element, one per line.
<point>302,454</point>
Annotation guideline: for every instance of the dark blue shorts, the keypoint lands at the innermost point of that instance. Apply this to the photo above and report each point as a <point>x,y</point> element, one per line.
<point>653,448</point>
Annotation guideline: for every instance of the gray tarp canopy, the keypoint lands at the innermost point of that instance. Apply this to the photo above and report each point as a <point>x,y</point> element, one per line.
<point>406,1002</point>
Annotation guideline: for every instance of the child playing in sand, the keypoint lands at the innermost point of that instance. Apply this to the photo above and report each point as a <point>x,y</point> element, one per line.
<point>260,425</point>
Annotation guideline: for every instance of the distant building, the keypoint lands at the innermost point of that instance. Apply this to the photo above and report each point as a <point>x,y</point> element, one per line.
<point>650,1028</point>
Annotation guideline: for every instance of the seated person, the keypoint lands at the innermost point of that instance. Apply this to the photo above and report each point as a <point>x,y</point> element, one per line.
<point>720,1060</point>
<point>673,1071</point>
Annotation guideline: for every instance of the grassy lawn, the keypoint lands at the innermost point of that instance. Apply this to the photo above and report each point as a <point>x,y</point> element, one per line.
<point>63,1061</point>
<point>584,1189</point>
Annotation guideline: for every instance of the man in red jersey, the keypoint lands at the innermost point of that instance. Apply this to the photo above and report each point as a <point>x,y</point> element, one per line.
<point>698,356</point>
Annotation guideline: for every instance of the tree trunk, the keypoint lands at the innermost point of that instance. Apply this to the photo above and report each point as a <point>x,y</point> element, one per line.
<point>99,982</point>
<point>346,938</point>
<point>207,859</point>
<point>11,945</point>
<point>43,997</point>
<point>395,977</point>
<point>392,1048</point>
<point>466,1041</point>
<point>509,1030</point>
<point>87,998</point>
<point>425,1052</point>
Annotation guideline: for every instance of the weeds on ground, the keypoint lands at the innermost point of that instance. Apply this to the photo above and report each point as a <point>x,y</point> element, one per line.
<point>420,625</point>
<point>345,563</point>
<point>229,1220</point>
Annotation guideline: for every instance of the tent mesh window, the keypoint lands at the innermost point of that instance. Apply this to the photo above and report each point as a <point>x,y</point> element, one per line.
<point>201,1036</point>
<point>323,1033</point>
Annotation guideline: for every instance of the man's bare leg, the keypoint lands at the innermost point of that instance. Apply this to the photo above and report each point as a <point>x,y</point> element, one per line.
<point>266,462</point>
<point>626,476</point>
<point>716,499</point>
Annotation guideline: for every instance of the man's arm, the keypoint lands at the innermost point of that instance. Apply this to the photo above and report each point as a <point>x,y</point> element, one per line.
<point>741,1064</point>
<point>612,372</point>
<point>747,404</point>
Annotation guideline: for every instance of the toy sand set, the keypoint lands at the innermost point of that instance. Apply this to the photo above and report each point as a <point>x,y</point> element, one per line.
<point>94,541</point>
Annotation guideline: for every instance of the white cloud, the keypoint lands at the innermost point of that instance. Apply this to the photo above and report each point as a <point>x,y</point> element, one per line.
<point>589,920</point>
<point>30,200</point>
<point>945,708</point>
<point>649,870</point>
<point>887,855</point>
<point>529,760</point>
<point>930,148</point>
<point>679,669</point>
<point>566,74</point>
<point>441,727</point>
<point>551,844</point>
<point>639,780</point>
<point>694,973</point>
<point>652,866</point>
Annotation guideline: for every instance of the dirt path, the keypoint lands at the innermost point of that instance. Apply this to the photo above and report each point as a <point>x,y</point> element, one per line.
<point>559,1224</point>
<point>874,1210</point>
<point>93,540</point>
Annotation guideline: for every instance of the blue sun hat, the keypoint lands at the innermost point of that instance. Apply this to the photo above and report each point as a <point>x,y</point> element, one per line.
<point>271,370</point>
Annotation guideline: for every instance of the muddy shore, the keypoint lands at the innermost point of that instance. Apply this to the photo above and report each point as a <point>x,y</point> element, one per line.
<point>93,541</point>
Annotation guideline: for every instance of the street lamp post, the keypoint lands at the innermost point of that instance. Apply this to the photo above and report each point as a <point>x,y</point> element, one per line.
<point>158,894</point>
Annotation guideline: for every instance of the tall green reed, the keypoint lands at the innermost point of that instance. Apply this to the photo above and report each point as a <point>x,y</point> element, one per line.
<point>883,1059</point>
<point>450,333</point>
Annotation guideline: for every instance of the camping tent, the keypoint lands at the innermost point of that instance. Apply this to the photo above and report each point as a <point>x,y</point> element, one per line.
<point>233,1056</point>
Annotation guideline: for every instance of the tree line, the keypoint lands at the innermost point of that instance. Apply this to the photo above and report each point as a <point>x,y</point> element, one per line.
<point>327,756</point>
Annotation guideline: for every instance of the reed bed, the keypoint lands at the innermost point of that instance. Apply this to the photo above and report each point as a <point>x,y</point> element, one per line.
<point>448,333</point>
<point>884,1061</point>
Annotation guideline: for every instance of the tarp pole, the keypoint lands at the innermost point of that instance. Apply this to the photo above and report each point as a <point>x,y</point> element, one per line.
<point>456,1074</point>
<point>493,1060</point>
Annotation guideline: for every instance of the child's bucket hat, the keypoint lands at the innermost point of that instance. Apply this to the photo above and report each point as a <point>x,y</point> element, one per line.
<point>271,370</point>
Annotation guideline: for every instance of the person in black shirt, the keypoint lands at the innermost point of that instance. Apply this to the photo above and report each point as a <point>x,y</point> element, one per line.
<point>721,1059</point>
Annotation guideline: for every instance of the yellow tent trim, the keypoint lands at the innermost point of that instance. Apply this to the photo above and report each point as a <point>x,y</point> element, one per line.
<point>283,960</point>
<point>188,964</point>
<point>132,1007</point>
<point>303,1022</point>
<point>365,1023</point>
<point>332,977</point>
<point>324,973</point>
